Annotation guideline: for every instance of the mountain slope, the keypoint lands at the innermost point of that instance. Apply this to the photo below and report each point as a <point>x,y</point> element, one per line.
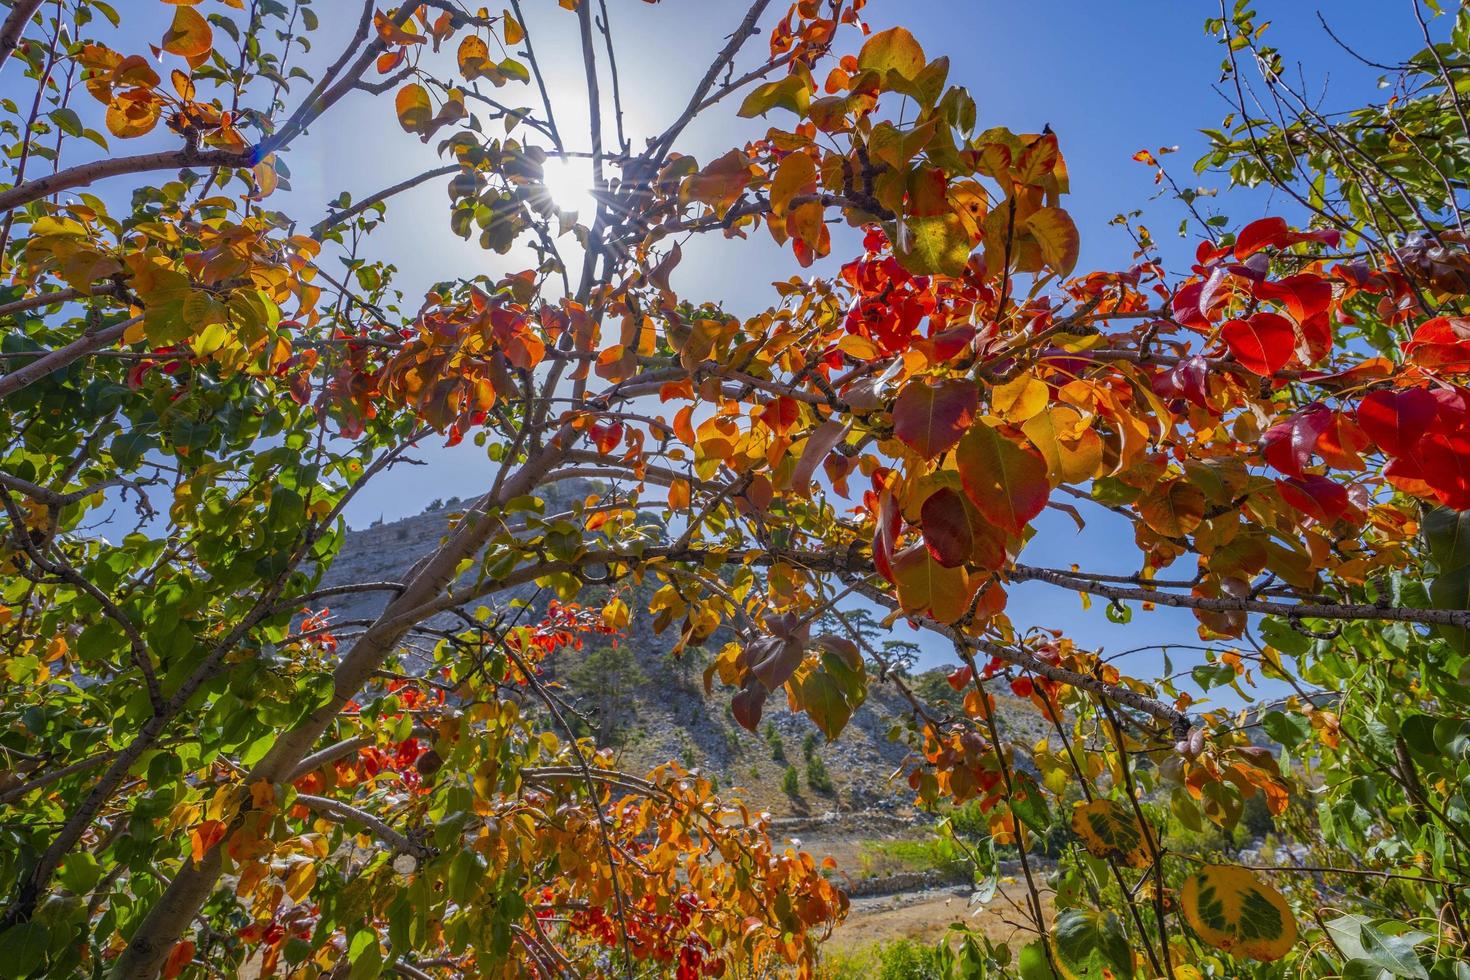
<point>651,706</point>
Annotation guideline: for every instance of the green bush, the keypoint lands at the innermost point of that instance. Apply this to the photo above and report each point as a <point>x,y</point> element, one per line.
<point>902,959</point>
<point>773,739</point>
<point>816,775</point>
<point>790,784</point>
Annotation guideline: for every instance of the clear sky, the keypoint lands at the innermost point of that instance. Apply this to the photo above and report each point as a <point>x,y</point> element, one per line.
<point>1110,77</point>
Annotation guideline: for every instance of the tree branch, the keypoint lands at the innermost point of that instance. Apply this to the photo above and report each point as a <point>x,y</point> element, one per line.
<point>346,813</point>
<point>84,174</point>
<point>15,25</point>
<point>89,342</point>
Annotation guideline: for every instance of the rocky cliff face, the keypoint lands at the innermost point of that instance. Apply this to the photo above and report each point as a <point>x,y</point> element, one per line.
<point>660,711</point>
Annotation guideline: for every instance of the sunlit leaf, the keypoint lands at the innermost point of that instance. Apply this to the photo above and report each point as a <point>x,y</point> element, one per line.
<point>1233,910</point>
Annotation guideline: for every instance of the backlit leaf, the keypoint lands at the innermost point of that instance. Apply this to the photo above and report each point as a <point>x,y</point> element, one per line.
<point>929,417</point>
<point>1263,343</point>
<point>936,245</point>
<point>1174,509</point>
<point>926,587</point>
<point>1057,236</point>
<point>1233,910</point>
<point>1006,481</point>
<point>947,528</point>
<point>892,50</point>
<point>189,36</point>
<point>1110,830</point>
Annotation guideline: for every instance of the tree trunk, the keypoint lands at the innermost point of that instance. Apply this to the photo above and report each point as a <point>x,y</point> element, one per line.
<point>165,923</point>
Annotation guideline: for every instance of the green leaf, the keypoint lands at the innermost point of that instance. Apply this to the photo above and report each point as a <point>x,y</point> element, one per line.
<point>23,949</point>
<point>67,121</point>
<point>1085,937</point>
<point>129,448</point>
<point>1393,953</point>
<point>79,873</point>
<point>1288,730</point>
<point>1033,964</point>
<point>790,93</point>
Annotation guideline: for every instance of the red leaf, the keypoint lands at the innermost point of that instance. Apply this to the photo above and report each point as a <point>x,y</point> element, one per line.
<point>606,435</point>
<point>1190,379</point>
<point>1397,420</point>
<point>885,534</point>
<point>1214,292</point>
<point>747,703</point>
<point>1289,444</point>
<point>946,344</point>
<point>780,414</point>
<point>1274,232</point>
<point>1006,481</point>
<point>1304,295</point>
<point>1442,342</point>
<point>1263,343</point>
<point>1185,305</point>
<point>1258,235</point>
<point>1446,465</point>
<point>959,678</point>
<point>947,528</point>
<point>930,417</point>
<point>1316,496</point>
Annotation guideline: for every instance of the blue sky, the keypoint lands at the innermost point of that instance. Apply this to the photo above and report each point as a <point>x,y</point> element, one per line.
<point>1109,77</point>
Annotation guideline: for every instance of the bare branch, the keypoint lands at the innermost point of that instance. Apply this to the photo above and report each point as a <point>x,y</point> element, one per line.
<point>15,25</point>
<point>84,174</point>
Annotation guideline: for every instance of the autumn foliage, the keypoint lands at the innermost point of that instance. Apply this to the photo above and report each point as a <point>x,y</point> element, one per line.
<point>206,771</point>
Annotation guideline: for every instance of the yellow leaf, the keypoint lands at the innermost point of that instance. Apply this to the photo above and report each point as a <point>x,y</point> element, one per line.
<point>414,109</point>
<point>132,113</point>
<point>265,177</point>
<point>511,29</point>
<point>1020,398</point>
<point>892,50</point>
<point>1057,236</point>
<point>615,613</point>
<point>300,880</point>
<point>262,794</point>
<point>797,174</point>
<point>473,57</point>
<point>189,36</point>
<point>928,588</point>
<point>1108,830</point>
<point>935,245</point>
<point>1231,909</point>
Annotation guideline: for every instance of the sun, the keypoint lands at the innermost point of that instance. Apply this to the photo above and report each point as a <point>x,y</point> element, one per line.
<point>569,182</point>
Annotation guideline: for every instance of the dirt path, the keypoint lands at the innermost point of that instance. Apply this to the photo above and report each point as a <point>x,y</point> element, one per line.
<point>923,913</point>
<point>926,915</point>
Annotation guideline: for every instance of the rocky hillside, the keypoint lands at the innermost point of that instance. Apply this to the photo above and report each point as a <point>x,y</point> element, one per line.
<point>632,693</point>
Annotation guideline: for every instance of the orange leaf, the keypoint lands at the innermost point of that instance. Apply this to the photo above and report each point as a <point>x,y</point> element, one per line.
<point>189,36</point>
<point>1006,481</point>
<point>1057,235</point>
<point>178,958</point>
<point>414,108</point>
